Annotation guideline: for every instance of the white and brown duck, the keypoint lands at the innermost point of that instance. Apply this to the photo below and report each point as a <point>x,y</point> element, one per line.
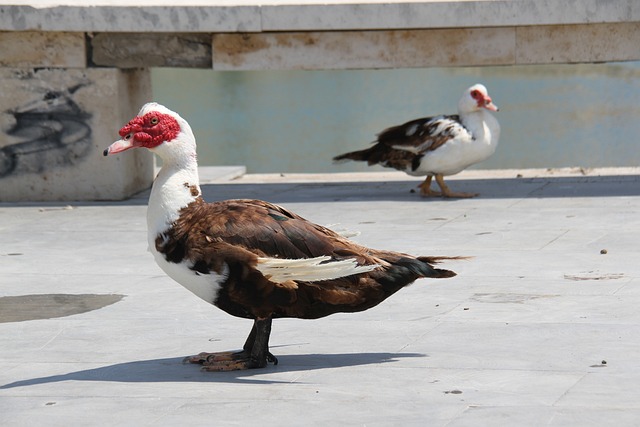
<point>251,258</point>
<point>438,146</point>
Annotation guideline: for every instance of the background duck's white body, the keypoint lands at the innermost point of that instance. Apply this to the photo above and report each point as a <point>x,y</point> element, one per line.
<point>474,143</point>
<point>440,145</point>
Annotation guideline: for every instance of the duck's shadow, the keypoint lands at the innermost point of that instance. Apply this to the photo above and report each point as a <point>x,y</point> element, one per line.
<point>174,370</point>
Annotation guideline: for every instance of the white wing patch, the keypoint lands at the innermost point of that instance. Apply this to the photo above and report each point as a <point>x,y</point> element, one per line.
<point>309,269</point>
<point>411,129</point>
<point>410,148</point>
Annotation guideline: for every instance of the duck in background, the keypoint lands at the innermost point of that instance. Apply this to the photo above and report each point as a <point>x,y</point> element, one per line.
<point>438,146</point>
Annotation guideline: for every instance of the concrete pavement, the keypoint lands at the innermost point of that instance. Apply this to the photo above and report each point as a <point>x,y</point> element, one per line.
<point>541,327</point>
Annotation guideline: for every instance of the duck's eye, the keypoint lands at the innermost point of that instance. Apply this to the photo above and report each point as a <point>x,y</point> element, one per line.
<point>154,120</point>
<point>475,94</point>
<point>128,136</point>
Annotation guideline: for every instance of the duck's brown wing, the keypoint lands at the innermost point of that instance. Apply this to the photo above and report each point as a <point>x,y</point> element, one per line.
<point>246,241</point>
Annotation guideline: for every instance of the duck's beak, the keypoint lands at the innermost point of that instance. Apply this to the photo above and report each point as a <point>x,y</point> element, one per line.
<point>119,146</point>
<point>489,105</point>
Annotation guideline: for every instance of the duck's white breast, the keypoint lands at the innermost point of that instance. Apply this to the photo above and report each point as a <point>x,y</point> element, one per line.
<point>205,286</point>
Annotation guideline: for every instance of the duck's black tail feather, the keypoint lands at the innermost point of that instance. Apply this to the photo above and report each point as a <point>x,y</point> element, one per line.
<point>362,291</point>
<point>359,156</point>
<point>404,270</point>
<point>440,272</point>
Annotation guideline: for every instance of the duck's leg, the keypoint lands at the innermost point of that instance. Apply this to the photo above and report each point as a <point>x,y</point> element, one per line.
<point>255,352</point>
<point>446,192</point>
<point>425,188</point>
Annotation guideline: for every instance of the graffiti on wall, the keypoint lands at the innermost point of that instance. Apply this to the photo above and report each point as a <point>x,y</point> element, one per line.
<point>53,131</point>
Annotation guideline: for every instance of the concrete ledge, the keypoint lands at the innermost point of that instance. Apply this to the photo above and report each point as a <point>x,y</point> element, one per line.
<point>121,16</point>
<point>336,15</point>
<point>295,15</point>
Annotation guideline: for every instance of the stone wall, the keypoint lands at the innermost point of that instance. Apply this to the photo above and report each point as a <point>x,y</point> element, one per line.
<point>56,118</point>
<point>66,88</point>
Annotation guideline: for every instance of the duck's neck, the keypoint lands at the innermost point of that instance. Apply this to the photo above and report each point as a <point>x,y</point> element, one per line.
<point>176,185</point>
<point>482,125</point>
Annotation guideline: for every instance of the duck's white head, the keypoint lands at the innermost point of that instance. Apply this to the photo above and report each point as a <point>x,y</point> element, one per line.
<point>474,99</point>
<point>160,130</point>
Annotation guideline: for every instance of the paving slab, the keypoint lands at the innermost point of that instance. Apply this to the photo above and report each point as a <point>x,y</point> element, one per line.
<point>540,327</point>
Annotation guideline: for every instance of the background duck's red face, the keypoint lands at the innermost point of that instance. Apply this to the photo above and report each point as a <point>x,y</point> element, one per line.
<point>483,100</point>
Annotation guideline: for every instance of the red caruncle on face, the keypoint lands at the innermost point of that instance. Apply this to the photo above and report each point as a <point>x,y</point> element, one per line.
<point>151,130</point>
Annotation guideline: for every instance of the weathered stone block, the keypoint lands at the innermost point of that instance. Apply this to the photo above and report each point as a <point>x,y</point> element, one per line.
<point>26,49</point>
<point>364,49</point>
<point>578,43</point>
<point>144,50</point>
<point>54,125</point>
